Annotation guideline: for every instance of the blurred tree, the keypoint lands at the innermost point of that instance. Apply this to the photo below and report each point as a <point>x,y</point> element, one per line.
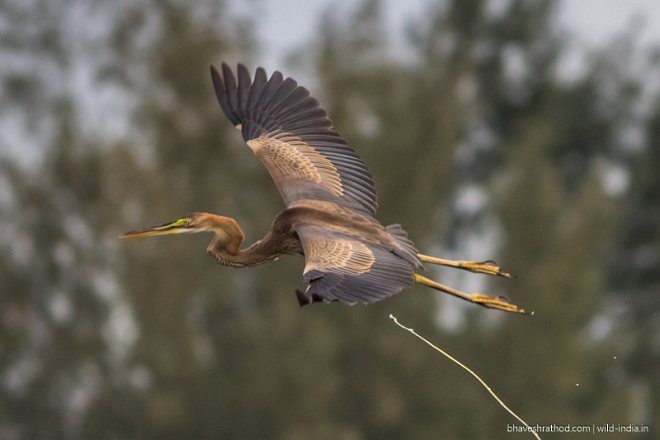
<point>635,282</point>
<point>71,364</point>
<point>476,146</point>
<point>53,341</point>
<point>54,294</point>
<point>564,283</point>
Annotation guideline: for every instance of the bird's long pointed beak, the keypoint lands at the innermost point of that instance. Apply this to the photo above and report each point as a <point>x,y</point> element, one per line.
<point>175,227</point>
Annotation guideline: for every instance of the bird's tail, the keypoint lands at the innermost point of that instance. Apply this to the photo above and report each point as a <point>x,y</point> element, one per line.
<point>406,249</point>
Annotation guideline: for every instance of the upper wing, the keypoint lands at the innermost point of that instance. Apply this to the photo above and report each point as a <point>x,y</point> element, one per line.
<point>293,137</point>
<point>339,267</point>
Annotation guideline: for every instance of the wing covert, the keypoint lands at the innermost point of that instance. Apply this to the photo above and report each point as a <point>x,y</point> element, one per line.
<point>292,136</point>
<point>344,268</point>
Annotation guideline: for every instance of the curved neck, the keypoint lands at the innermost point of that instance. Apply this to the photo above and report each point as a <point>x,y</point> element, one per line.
<point>228,253</point>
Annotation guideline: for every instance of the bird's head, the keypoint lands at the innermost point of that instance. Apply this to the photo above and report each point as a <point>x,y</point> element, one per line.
<point>225,228</point>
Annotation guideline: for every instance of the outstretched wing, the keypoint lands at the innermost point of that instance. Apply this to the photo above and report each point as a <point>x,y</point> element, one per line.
<point>293,137</point>
<point>344,268</point>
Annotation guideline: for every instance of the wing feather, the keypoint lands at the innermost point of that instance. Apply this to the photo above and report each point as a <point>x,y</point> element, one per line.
<point>256,90</point>
<point>231,102</point>
<point>289,96</point>
<point>294,139</point>
<point>270,89</point>
<point>244,83</point>
<point>281,94</point>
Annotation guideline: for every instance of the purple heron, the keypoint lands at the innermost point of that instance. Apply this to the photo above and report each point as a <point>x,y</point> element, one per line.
<point>330,202</point>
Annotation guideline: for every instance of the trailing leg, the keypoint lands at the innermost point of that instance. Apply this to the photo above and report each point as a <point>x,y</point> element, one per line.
<point>490,302</point>
<point>485,267</point>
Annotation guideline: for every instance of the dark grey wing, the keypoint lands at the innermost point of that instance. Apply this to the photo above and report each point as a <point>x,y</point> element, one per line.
<point>344,268</point>
<point>293,137</point>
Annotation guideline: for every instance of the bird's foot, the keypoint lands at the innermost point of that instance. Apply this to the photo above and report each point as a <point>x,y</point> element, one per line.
<point>495,302</point>
<point>305,298</point>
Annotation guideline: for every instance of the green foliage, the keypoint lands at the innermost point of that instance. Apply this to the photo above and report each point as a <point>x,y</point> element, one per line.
<point>107,339</point>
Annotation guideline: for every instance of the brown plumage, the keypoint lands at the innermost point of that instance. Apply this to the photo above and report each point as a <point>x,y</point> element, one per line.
<point>330,201</point>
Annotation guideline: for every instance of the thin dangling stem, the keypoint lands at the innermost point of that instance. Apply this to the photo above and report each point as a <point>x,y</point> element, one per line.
<point>466,368</point>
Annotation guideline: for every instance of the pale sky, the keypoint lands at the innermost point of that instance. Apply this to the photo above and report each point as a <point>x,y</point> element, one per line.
<point>286,24</point>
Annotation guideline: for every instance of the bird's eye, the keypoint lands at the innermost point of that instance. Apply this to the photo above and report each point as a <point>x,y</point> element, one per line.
<point>183,222</point>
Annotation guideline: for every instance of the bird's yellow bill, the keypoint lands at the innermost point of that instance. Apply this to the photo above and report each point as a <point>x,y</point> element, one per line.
<point>175,227</point>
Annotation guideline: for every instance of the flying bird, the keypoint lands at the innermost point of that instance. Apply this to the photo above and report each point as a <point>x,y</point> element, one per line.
<point>330,201</point>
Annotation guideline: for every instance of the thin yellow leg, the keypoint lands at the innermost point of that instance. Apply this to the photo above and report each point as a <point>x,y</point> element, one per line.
<point>490,302</point>
<point>485,267</point>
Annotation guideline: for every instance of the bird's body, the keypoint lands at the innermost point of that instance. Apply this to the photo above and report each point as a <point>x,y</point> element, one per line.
<point>330,200</point>
<point>344,240</point>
